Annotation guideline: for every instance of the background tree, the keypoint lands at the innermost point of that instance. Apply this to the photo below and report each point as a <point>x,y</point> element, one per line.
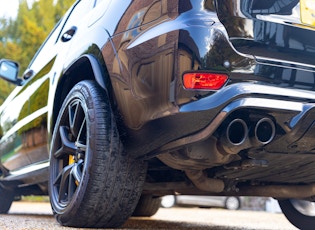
<point>21,37</point>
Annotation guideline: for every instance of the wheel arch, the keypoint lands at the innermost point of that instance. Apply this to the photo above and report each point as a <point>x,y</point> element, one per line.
<point>86,67</point>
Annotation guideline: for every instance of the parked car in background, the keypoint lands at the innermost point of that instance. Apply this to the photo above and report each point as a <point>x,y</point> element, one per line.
<point>227,202</point>
<point>128,101</point>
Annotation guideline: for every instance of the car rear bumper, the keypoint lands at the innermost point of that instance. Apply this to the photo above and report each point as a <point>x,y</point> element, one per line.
<point>293,112</point>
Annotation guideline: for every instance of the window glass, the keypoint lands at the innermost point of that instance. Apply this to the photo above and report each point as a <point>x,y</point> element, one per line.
<point>72,18</point>
<point>46,50</point>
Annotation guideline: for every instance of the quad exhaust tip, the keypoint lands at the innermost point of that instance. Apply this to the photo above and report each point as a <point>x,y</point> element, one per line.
<point>236,132</point>
<point>239,136</point>
<point>264,131</point>
<point>235,137</point>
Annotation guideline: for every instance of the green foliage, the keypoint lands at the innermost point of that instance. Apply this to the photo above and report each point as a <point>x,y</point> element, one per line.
<point>5,89</point>
<point>21,37</point>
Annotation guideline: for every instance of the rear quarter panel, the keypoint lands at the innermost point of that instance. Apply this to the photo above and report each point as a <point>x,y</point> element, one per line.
<point>270,29</point>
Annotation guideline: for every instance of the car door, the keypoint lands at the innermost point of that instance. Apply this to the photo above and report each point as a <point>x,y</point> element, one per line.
<point>23,119</point>
<point>73,36</point>
<point>43,71</point>
<point>24,115</point>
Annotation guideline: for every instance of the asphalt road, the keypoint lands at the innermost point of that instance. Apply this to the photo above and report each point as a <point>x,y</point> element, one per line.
<point>38,216</point>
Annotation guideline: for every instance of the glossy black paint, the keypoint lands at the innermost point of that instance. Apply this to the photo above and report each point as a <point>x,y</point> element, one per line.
<point>197,38</point>
<point>138,50</point>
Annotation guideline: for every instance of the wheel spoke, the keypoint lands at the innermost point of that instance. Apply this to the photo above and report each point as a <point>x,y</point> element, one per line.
<point>71,186</point>
<point>67,147</point>
<point>67,181</point>
<point>61,182</point>
<point>77,172</point>
<point>81,138</point>
<point>76,118</point>
<point>80,146</point>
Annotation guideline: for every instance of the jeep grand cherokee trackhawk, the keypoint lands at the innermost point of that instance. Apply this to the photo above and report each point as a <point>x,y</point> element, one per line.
<point>130,100</point>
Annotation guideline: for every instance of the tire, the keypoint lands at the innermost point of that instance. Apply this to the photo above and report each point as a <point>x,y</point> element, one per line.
<point>300,213</point>
<point>168,201</point>
<point>93,182</point>
<point>147,206</point>
<point>6,199</point>
<point>232,203</point>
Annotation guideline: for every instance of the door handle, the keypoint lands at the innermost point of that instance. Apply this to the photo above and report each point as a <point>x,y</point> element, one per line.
<point>28,74</point>
<point>68,35</point>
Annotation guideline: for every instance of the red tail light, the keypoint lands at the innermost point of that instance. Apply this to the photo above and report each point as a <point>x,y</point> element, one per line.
<point>209,81</point>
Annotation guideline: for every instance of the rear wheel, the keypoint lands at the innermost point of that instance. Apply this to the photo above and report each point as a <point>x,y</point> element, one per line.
<point>300,213</point>
<point>93,182</point>
<point>147,206</point>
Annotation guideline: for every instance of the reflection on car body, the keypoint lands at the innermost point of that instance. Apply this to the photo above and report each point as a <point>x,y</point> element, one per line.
<point>128,101</point>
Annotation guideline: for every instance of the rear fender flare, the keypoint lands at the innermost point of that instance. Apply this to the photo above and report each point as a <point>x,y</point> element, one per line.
<point>86,67</point>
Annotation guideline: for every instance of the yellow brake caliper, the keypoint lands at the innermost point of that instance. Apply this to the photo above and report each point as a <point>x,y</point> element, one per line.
<point>70,162</point>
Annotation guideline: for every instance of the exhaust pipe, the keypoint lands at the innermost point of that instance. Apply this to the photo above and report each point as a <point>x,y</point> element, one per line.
<point>235,138</point>
<point>200,179</point>
<point>264,132</point>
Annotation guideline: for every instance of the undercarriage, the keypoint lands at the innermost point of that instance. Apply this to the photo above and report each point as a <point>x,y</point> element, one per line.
<point>254,146</point>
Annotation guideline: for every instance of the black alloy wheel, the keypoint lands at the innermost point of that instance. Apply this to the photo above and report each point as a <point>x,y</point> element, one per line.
<point>93,182</point>
<point>300,213</point>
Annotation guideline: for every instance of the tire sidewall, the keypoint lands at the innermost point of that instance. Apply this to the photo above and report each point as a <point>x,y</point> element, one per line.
<point>296,218</point>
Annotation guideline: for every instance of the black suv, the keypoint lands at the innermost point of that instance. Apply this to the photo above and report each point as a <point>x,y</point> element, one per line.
<point>127,101</point>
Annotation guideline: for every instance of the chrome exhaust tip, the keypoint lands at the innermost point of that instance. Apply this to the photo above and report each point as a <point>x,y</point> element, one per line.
<point>235,137</point>
<point>264,131</point>
<point>236,132</point>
